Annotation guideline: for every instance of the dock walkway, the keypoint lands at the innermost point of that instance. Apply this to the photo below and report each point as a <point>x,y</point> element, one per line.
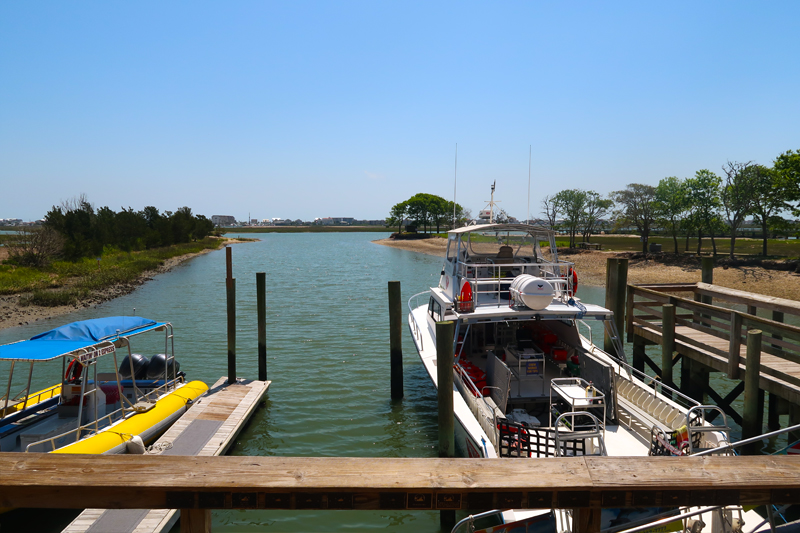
<point>207,429</point>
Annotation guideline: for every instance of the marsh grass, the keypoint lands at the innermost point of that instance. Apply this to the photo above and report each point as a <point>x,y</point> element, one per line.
<point>66,282</point>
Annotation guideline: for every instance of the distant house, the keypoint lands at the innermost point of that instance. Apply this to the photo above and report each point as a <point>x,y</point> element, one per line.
<point>223,220</point>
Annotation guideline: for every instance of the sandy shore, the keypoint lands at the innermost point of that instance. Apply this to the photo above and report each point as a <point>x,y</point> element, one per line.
<point>13,314</point>
<point>591,268</point>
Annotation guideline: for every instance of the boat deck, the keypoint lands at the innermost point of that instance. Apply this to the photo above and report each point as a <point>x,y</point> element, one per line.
<point>208,428</point>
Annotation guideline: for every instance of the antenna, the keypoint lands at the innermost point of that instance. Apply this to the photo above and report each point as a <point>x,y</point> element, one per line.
<point>528,213</point>
<point>455,183</point>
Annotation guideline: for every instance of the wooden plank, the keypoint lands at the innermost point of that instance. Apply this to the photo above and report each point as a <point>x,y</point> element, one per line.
<point>133,482</point>
<point>232,405</point>
<point>748,298</point>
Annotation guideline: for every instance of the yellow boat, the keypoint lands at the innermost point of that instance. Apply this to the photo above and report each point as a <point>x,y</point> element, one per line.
<point>90,411</point>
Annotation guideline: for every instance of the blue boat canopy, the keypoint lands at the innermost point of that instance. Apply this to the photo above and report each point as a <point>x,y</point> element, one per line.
<point>65,340</point>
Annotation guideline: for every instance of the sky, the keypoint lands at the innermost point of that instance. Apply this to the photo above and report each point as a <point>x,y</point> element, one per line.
<point>343,109</point>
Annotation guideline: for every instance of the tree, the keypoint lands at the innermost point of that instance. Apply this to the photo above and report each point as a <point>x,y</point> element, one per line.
<point>773,191</point>
<point>573,203</point>
<point>425,210</point>
<point>671,202</point>
<point>703,193</point>
<point>397,215</point>
<point>552,207</point>
<point>736,195</point>
<point>596,208</point>
<point>638,208</point>
<point>35,247</point>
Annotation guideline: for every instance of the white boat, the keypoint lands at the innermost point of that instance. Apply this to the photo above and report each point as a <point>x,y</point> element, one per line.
<point>90,411</point>
<point>529,378</point>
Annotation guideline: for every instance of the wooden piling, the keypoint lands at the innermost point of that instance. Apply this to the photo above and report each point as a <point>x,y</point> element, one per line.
<point>396,339</point>
<point>752,419</point>
<point>616,285</point>
<point>261,304</point>
<point>639,354</point>
<point>444,373</point>
<point>668,343</point>
<point>230,287</point>
<point>734,346</point>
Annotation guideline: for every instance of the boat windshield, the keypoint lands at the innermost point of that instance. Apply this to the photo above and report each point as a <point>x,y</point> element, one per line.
<point>510,246</point>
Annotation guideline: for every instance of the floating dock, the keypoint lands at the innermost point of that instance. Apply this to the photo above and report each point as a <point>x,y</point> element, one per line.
<point>207,429</point>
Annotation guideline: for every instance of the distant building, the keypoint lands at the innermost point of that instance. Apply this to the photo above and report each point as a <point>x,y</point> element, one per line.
<point>223,220</point>
<point>330,221</point>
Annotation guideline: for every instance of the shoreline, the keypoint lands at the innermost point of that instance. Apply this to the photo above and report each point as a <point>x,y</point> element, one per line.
<point>591,269</point>
<point>12,314</point>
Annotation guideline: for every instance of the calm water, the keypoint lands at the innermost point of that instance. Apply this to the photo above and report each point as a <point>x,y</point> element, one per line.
<point>328,357</point>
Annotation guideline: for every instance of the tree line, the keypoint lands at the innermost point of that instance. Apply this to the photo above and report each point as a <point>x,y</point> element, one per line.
<point>703,205</point>
<point>426,211</point>
<point>76,230</point>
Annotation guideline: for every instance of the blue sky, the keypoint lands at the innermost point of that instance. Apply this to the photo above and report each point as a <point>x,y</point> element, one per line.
<point>305,109</point>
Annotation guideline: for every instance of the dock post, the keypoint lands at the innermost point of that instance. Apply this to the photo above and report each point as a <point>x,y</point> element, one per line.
<point>195,520</point>
<point>616,285</point>
<point>230,286</point>
<point>668,344</point>
<point>444,373</point>
<point>396,340</point>
<point>261,304</point>
<point>707,275</point>
<point>752,419</point>
<point>639,353</point>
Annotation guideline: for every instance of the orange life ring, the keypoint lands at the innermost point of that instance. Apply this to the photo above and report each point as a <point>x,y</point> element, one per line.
<point>574,275</point>
<point>73,373</point>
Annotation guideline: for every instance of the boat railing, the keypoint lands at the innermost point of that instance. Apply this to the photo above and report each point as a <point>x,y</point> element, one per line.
<point>416,330</point>
<point>94,426</point>
<point>14,405</point>
<point>490,277</point>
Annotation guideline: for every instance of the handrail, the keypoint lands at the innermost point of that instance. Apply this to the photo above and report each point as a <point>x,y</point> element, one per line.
<point>415,330</point>
<point>733,445</point>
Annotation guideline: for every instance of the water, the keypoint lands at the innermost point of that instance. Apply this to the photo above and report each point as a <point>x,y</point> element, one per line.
<point>328,358</point>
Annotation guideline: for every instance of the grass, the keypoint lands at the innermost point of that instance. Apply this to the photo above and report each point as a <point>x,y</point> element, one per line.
<point>66,282</point>
<point>744,246</point>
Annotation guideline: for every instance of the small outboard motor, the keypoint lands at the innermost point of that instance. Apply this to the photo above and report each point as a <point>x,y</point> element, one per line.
<point>140,365</point>
<point>155,370</point>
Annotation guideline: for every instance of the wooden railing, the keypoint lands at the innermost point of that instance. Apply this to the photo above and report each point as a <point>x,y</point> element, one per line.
<point>196,484</point>
<point>644,308</point>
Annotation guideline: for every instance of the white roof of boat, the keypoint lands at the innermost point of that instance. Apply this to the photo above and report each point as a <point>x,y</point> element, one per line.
<point>556,310</point>
<point>529,228</point>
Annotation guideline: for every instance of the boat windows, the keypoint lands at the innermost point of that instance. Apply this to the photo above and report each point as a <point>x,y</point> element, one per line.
<point>435,310</point>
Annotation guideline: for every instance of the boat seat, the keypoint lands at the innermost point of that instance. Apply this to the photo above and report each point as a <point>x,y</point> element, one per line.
<point>505,255</point>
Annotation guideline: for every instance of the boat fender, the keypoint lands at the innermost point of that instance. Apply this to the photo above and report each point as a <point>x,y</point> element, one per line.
<point>74,370</point>
<point>135,445</point>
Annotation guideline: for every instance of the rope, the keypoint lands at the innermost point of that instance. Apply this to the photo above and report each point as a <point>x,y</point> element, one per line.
<point>159,447</point>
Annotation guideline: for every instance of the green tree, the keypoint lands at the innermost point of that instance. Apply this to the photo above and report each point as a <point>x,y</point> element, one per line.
<point>671,204</point>
<point>774,190</point>
<point>573,203</point>
<point>736,195</point>
<point>596,208</point>
<point>397,215</point>
<point>638,207</point>
<point>703,193</point>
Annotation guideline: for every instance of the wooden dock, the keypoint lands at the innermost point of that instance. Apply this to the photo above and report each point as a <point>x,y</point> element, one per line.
<point>198,484</point>
<point>711,338</point>
<point>207,429</point>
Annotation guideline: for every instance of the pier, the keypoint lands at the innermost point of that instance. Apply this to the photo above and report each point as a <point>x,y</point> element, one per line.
<point>207,429</point>
<point>763,353</point>
<point>198,484</point>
